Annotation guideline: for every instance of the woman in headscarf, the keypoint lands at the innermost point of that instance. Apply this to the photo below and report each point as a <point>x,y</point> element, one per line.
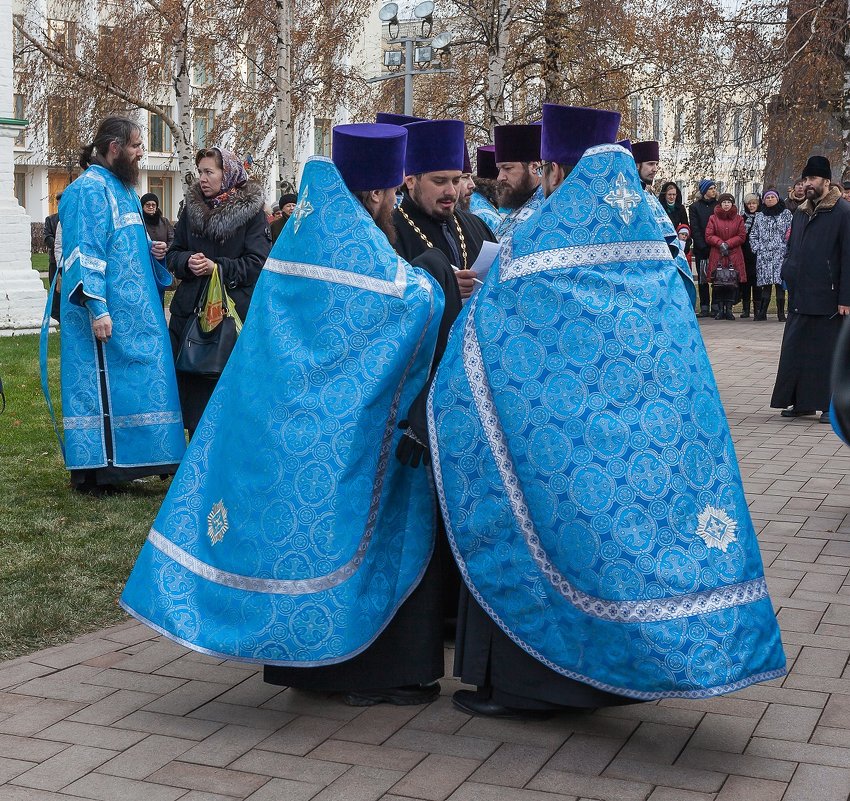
<point>158,226</point>
<point>223,225</point>
<point>768,238</point>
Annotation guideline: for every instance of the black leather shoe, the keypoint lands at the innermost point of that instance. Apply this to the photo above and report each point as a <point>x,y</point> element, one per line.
<point>824,418</point>
<point>794,412</point>
<point>473,704</point>
<point>399,696</point>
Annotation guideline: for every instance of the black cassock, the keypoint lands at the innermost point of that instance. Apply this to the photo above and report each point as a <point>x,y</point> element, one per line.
<point>805,362</point>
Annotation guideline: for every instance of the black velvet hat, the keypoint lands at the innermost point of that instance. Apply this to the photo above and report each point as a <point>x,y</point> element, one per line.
<point>645,151</point>
<point>395,119</point>
<point>570,130</point>
<point>517,142</point>
<point>817,167</point>
<point>434,146</point>
<point>486,162</point>
<point>370,155</point>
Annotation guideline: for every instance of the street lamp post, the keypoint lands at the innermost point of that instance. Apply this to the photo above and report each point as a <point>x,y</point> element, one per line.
<point>419,49</point>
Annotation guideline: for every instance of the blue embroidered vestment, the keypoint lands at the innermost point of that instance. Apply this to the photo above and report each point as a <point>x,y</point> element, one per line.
<point>481,207</point>
<point>107,268</point>
<point>291,534</point>
<point>583,461</point>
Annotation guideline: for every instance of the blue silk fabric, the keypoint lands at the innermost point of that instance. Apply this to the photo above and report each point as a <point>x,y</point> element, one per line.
<point>107,264</point>
<point>516,217</point>
<point>672,240</point>
<point>481,207</point>
<point>291,534</point>
<point>583,460</point>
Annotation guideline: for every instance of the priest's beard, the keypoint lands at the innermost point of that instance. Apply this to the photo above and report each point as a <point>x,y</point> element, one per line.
<point>384,220</point>
<point>515,197</point>
<point>125,168</point>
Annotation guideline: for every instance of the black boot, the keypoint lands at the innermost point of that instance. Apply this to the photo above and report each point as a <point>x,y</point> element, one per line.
<point>780,309</point>
<point>764,302</point>
<point>727,311</point>
<point>703,312</point>
<point>718,311</point>
<point>745,313</point>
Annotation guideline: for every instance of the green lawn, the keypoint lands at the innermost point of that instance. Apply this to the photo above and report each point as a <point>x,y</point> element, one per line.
<point>63,557</point>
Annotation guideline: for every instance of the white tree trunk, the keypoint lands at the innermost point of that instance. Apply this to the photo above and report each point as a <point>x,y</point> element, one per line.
<point>496,59</point>
<point>181,125</point>
<point>283,111</point>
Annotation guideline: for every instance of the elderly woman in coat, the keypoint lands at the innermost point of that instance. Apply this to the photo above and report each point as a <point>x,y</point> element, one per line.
<point>725,235</point>
<point>768,238</point>
<point>223,225</point>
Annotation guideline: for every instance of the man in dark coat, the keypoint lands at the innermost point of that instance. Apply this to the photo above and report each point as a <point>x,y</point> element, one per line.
<point>647,157</point>
<point>51,223</point>
<point>700,212</point>
<point>817,272</point>
<point>432,233</point>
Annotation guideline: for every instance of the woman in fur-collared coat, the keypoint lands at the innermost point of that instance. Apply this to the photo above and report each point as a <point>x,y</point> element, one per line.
<point>223,224</point>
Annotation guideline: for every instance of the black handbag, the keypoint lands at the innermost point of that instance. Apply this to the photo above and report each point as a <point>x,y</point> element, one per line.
<point>204,353</point>
<point>725,275</point>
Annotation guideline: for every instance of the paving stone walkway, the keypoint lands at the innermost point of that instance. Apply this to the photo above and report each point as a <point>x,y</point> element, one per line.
<point>122,714</point>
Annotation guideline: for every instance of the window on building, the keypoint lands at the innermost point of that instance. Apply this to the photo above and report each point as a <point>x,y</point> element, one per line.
<point>60,123</point>
<point>20,111</point>
<point>720,126</point>
<point>163,187</point>
<point>634,110</point>
<point>737,127</point>
<point>21,188</point>
<point>679,123</point>
<point>755,128</point>
<point>202,74</point>
<point>251,54</point>
<point>159,134</point>
<point>321,137</point>
<point>63,34</point>
<point>657,119</point>
<point>18,42</point>
<point>204,123</point>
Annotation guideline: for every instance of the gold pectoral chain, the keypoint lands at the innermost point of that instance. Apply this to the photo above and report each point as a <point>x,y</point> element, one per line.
<point>430,244</point>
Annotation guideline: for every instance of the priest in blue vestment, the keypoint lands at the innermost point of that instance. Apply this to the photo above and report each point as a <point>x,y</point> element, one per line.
<point>647,156</point>
<point>485,176</point>
<point>120,409</point>
<point>584,464</point>
<point>292,536</point>
<point>517,153</point>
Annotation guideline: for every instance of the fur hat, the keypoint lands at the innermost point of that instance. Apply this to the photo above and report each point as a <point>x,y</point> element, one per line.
<point>817,167</point>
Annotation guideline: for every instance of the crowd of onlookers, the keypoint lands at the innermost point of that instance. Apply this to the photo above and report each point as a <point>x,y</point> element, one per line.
<point>735,254</point>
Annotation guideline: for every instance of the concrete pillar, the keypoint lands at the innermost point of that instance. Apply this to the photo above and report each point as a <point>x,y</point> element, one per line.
<point>22,295</point>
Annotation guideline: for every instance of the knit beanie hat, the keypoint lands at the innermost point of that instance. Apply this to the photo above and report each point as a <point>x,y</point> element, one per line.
<point>726,196</point>
<point>772,192</point>
<point>705,184</point>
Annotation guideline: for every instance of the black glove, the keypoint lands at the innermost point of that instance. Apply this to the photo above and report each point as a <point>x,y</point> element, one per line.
<point>724,249</point>
<point>411,450</point>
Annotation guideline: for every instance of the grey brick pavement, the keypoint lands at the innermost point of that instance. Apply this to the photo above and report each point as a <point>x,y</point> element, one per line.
<point>122,714</point>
